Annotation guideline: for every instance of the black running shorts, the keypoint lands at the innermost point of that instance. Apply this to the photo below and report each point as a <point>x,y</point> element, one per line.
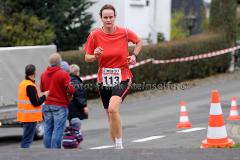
<point>120,90</point>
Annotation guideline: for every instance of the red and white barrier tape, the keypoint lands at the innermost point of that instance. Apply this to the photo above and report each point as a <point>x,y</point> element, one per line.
<point>141,63</point>
<point>183,59</point>
<point>196,57</point>
<point>89,77</point>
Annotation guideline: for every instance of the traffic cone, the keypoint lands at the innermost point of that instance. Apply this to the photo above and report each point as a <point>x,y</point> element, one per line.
<point>216,134</point>
<point>233,115</point>
<point>184,120</point>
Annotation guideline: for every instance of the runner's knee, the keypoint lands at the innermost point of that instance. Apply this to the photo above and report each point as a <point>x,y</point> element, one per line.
<point>112,109</point>
<point>114,104</point>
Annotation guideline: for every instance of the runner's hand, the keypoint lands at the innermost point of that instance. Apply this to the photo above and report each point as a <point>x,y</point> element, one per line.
<point>131,59</point>
<point>98,51</point>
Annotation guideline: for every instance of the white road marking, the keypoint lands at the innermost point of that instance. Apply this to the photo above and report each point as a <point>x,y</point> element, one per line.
<point>102,147</point>
<point>148,139</point>
<point>190,130</point>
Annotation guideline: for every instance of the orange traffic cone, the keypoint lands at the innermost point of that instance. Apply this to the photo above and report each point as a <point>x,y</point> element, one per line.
<point>184,120</point>
<point>233,115</point>
<point>216,134</point>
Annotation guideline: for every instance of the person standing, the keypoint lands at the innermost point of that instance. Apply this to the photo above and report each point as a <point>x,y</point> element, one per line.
<point>109,45</point>
<point>78,109</point>
<point>55,110</point>
<point>65,66</point>
<point>29,105</point>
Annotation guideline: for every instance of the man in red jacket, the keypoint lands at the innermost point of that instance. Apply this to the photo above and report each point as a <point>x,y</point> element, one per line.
<point>55,111</point>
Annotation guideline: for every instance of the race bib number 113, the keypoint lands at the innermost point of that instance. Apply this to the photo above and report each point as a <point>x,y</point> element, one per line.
<point>111,76</point>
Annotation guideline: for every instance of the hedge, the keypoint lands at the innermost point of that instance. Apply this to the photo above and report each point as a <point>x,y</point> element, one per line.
<point>163,73</point>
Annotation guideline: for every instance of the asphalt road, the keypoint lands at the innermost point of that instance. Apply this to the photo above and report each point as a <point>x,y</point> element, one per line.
<point>149,126</point>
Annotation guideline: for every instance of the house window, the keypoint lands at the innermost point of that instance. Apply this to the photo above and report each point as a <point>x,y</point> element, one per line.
<point>139,3</point>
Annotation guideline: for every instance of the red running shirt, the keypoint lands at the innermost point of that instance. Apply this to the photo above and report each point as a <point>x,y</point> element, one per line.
<point>115,49</point>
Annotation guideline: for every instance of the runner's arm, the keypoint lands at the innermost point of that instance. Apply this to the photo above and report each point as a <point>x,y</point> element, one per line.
<point>90,58</point>
<point>137,48</point>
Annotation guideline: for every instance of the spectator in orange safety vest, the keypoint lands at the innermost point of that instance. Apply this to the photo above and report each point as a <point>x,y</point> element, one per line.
<point>29,105</point>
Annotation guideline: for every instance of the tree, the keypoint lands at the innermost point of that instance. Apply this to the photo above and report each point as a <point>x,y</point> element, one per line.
<point>177,27</point>
<point>223,18</point>
<point>21,29</point>
<point>70,19</point>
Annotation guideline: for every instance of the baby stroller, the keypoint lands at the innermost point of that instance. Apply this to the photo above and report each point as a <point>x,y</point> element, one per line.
<point>71,138</point>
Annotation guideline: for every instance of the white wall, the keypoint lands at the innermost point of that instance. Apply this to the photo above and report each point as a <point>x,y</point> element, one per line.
<point>137,19</point>
<point>163,17</point>
<point>153,21</point>
<point>147,21</point>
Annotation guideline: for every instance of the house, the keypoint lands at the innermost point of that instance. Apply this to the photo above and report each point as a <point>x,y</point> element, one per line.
<point>145,17</point>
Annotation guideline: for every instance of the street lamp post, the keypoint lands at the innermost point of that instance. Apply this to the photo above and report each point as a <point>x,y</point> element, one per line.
<point>190,23</point>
